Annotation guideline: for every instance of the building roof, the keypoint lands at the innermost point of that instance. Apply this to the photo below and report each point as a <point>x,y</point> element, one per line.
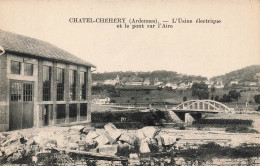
<point>137,79</point>
<point>26,45</point>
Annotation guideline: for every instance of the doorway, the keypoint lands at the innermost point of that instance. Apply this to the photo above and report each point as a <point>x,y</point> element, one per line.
<point>21,104</point>
<point>47,115</point>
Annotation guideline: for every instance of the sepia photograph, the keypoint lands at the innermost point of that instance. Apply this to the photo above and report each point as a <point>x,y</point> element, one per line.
<point>130,82</point>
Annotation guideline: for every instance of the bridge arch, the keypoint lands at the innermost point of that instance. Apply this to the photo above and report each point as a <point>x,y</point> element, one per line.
<point>202,105</point>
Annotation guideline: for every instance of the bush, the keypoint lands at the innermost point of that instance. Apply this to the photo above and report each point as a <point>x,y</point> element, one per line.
<point>154,118</point>
<point>108,117</point>
<point>223,122</point>
<point>257,98</point>
<point>211,150</point>
<point>240,129</point>
<point>149,119</point>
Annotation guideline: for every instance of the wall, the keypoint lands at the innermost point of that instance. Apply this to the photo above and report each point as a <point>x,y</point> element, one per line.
<point>6,76</point>
<point>66,100</point>
<point>4,92</point>
<point>34,78</point>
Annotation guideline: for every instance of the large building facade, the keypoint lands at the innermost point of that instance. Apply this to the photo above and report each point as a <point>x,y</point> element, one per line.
<point>41,85</point>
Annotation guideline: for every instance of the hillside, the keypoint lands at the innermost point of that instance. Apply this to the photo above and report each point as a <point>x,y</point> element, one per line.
<point>241,75</point>
<point>161,75</point>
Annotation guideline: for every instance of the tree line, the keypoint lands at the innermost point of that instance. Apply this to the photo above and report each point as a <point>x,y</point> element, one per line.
<point>161,75</point>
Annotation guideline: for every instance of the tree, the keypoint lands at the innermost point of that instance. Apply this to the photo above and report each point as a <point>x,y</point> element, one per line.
<point>226,86</point>
<point>233,94</point>
<point>257,98</point>
<point>217,98</point>
<point>212,97</point>
<point>225,98</point>
<point>213,89</point>
<point>184,98</point>
<point>200,90</point>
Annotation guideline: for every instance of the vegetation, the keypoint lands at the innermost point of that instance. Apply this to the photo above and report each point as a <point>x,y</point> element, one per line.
<point>200,90</point>
<point>212,150</point>
<point>233,95</point>
<point>257,98</point>
<point>240,129</point>
<point>242,75</point>
<point>222,122</point>
<point>151,118</point>
<point>162,75</point>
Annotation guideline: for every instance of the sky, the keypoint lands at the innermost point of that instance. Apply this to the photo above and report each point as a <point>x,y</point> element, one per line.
<point>197,49</point>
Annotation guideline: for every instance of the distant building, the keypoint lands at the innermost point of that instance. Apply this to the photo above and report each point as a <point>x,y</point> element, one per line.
<point>112,82</point>
<point>233,82</point>
<point>135,81</point>
<point>124,80</point>
<point>182,86</point>
<point>172,85</point>
<point>219,84</point>
<point>97,100</point>
<point>158,83</point>
<point>190,84</point>
<point>253,83</point>
<point>147,81</point>
<point>109,82</point>
<point>95,83</point>
<point>209,83</point>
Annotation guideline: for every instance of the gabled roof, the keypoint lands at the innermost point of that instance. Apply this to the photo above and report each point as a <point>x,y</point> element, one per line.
<point>26,45</point>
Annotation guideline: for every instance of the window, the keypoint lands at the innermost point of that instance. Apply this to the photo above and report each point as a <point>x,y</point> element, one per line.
<point>83,111</point>
<point>61,113</point>
<point>46,83</point>
<point>72,112</point>
<point>28,69</point>
<point>72,84</point>
<point>27,92</point>
<point>83,86</point>
<point>16,91</point>
<point>21,91</point>
<point>15,67</point>
<point>60,84</point>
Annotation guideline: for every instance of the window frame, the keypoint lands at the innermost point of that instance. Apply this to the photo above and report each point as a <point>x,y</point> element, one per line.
<point>26,65</point>
<point>20,66</point>
<point>72,84</point>
<point>60,84</point>
<point>83,85</point>
<point>46,83</point>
